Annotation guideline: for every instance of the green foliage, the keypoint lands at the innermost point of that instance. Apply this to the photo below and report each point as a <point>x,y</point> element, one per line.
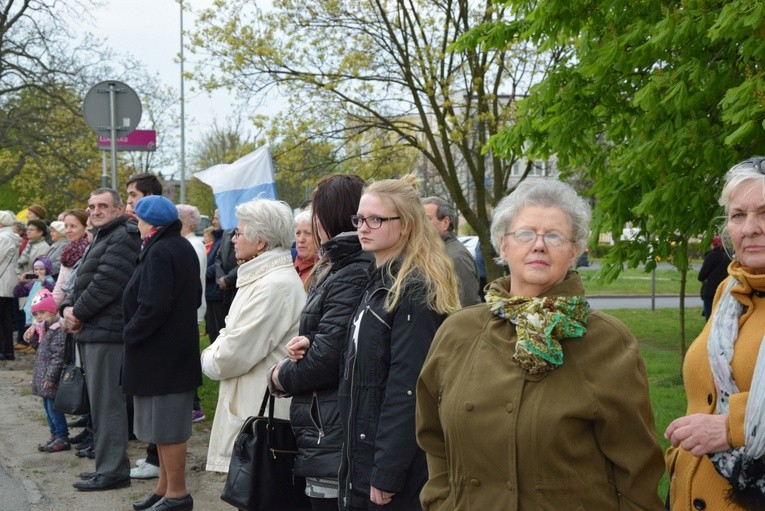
<point>372,87</point>
<point>655,105</point>
<point>62,164</point>
<point>654,102</point>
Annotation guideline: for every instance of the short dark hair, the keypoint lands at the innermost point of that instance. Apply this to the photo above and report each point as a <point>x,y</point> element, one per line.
<point>116,200</point>
<point>335,200</point>
<point>444,209</point>
<point>39,224</point>
<point>146,183</point>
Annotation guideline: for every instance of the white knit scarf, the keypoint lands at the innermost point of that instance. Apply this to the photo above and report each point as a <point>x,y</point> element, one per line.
<point>740,465</point>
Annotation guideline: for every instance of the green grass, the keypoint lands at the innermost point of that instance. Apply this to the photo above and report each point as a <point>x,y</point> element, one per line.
<point>658,337</point>
<point>637,282</point>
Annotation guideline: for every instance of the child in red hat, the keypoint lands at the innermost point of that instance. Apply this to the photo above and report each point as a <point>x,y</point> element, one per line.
<point>49,339</point>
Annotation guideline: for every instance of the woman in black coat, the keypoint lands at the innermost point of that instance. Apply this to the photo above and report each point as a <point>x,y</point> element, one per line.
<point>713,271</point>
<point>313,381</point>
<point>161,368</point>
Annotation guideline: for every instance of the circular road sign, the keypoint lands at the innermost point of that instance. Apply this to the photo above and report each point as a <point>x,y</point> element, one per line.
<point>97,108</point>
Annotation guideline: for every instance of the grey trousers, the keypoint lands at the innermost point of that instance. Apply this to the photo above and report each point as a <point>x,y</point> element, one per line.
<point>102,363</point>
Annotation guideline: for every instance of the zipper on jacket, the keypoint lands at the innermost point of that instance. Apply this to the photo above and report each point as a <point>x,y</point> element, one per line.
<point>320,426</point>
<point>348,483</point>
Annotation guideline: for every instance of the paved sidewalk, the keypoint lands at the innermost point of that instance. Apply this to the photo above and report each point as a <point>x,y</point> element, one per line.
<point>43,481</point>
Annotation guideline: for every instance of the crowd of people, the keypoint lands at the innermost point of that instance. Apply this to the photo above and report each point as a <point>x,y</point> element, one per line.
<point>408,385</point>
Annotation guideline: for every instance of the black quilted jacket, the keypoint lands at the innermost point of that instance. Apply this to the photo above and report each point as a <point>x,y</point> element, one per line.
<point>101,279</point>
<point>313,381</point>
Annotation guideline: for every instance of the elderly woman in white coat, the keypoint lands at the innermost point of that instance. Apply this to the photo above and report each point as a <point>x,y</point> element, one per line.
<point>263,317</point>
<point>9,255</point>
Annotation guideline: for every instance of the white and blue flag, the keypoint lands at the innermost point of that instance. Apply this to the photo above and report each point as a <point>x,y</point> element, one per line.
<point>232,184</point>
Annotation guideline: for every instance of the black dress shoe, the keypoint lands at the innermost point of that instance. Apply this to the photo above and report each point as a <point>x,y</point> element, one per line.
<point>85,444</point>
<point>87,475</point>
<point>77,422</point>
<point>102,482</point>
<point>183,504</point>
<point>146,503</point>
<point>7,356</point>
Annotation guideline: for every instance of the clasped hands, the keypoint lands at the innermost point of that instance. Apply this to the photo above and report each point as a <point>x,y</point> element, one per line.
<point>71,323</point>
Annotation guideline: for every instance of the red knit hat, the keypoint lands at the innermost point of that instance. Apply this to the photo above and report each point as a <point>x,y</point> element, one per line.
<point>43,301</point>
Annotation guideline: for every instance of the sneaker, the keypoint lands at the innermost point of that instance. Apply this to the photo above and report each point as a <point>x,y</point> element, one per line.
<point>140,461</point>
<point>197,416</point>
<point>145,471</point>
<point>41,447</point>
<point>58,445</point>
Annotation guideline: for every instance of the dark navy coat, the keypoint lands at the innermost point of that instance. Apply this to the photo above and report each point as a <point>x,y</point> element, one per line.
<point>160,307</point>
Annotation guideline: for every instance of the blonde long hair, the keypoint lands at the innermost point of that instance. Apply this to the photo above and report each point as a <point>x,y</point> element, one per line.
<point>420,250</point>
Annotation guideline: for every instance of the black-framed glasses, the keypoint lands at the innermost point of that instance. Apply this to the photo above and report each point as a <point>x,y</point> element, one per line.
<point>235,233</point>
<point>551,239</point>
<point>758,162</point>
<point>373,222</point>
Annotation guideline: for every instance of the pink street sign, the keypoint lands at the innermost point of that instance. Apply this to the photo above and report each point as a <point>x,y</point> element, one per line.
<point>138,140</point>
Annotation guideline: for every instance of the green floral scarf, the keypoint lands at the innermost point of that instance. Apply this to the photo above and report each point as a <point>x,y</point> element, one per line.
<point>541,323</point>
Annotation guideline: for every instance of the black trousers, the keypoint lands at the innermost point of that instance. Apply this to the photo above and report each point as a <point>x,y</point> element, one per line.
<point>6,325</point>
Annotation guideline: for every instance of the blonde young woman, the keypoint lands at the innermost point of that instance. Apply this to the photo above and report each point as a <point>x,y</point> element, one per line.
<point>410,291</point>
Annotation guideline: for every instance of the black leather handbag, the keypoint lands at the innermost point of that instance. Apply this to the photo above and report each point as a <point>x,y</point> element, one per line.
<point>260,474</point>
<point>72,394</point>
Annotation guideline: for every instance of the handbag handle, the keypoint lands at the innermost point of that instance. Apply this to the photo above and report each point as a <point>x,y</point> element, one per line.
<point>271,400</point>
<point>69,347</point>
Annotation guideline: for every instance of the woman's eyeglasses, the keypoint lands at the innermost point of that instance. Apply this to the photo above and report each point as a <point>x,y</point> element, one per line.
<point>373,222</point>
<point>526,236</point>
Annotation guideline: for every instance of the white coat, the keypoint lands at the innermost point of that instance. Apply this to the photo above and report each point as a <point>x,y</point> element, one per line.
<point>264,315</point>
<point>9,254</point>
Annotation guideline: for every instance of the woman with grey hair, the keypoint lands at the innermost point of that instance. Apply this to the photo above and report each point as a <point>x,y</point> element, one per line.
<point>263,317</point>
<point>305,245</point>
<point>534,399</point>
<point>9,255</point>
<point>717,458</point>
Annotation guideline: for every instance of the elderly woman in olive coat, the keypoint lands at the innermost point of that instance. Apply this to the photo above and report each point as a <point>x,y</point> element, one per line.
<point>532,401</point>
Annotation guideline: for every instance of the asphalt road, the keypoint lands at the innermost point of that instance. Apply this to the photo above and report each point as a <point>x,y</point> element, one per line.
<point>641,302</point>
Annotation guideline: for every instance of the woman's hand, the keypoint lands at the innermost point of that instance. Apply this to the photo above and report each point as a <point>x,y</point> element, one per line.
<point>297,347</point>
<point>380,497</point>
<point>71,323</point>
<point>700,433</point>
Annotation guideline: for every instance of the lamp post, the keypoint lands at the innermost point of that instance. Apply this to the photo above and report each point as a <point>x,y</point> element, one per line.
<point>183,121</point>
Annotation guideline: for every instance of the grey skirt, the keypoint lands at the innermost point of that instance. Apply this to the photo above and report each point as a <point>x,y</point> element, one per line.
<point>163,419</point>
